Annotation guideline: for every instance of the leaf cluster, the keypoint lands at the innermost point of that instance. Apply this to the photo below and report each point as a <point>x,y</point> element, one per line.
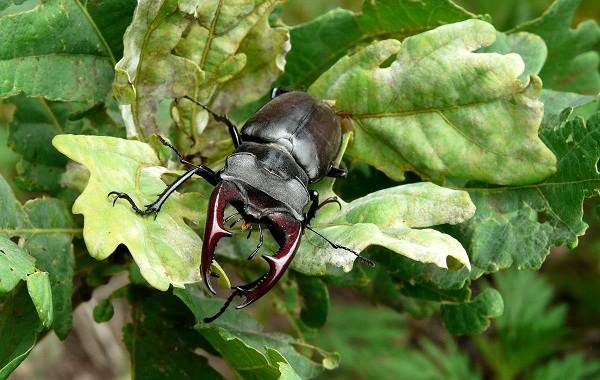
<point>470,149</point>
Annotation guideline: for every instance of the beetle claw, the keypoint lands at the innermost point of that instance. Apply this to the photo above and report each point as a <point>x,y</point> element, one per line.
<point>215,230</point>
<point>287,231</point>
<point>152,208</point>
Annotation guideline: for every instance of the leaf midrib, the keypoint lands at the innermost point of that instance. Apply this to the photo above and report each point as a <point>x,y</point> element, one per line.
<point>94,26</point>
<point>211,34</point>
<point>533,186</point>
<point>382,115</point>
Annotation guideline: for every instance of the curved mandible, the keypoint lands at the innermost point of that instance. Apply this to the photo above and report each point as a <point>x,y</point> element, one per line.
<point>223,193</point>
<point>287,231</point>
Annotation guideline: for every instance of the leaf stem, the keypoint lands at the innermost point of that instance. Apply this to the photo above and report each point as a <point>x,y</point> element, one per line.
<point>345,140</point>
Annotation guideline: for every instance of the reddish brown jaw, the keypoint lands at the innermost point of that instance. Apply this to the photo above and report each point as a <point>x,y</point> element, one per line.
<point>223,193</point>
<point>287,231</point>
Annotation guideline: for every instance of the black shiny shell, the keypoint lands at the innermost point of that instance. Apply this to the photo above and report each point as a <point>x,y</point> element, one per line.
<point>303,125</point>
<point>272,170</point>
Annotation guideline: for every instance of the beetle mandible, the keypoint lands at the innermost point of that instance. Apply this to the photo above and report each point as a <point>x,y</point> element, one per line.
<point>290,142</point>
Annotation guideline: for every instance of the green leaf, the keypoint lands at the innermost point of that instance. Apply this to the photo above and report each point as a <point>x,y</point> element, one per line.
<point>38,177</point>
<point>356,329</point>
<point>241,341</point>
<point>74,65</point>
<point>166,249</point>
<point>14,6</point>
<point>474,316</point>
<point>38,286</point>
<point>441,110</point>
<point>316,300</point>
<point>393,218</point>
<point>507,229</point>
<point>35,122</point>
<point>382,337</point>
<point>161,341</point>
<point>19,329</point>
<point>287,372</point>
<point>434,362</point>
<point>265,49</point>
<point>46,230</point>
<point>572,63</point>
<point>49,242</point>
<point>390,290</point>
<point>573,367</point>
<point>417,288</point>
<point>111,17</point>
<point>530,328</point>
<point>104,311</point>
<point>556,101</point>
<point>193,48</point>
<point>530,47</point>
<point>318,44</point>
<point>15,265</point>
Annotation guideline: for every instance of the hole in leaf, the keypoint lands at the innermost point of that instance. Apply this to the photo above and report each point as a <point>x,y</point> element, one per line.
<point>453,263</point>
<point>388,62</point>
<point>542,217</point>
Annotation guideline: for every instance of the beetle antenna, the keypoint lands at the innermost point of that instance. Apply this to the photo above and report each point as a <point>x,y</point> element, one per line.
<point>236,292</point>
<point>336,246</point>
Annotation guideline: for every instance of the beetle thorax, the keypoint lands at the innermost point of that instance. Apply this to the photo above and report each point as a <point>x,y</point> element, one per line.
<point>272,171</point>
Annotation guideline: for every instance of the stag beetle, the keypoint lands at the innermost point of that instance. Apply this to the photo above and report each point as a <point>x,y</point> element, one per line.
<point>290,142</point>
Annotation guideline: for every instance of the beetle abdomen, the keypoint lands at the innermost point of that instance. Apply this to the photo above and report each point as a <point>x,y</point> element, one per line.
<point>306,127</point>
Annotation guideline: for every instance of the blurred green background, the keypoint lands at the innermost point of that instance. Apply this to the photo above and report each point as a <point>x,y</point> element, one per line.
<point>505,13</point>
<point>551,323</point>
<point>550,328</point>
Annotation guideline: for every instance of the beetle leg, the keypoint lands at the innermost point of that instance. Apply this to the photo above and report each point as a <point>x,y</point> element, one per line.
<point>150,209</point>
<point>336,172</point>
<point>315,205</point>
<point>154,207</point>
<point>276,91</point>
<point>330,200</point>
<point>287,231</point>
<point>233,131</point>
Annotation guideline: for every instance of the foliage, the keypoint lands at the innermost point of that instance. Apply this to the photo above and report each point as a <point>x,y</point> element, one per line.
<point>472,145</point>
<point>526,334</point>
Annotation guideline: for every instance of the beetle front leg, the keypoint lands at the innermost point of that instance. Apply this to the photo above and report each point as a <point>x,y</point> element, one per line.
<point>154,207</point>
